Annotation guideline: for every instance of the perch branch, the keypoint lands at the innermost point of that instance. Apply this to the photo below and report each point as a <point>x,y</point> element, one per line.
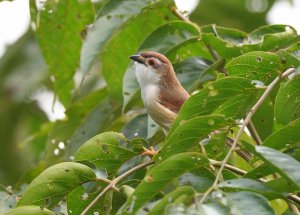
<point>113,183</point>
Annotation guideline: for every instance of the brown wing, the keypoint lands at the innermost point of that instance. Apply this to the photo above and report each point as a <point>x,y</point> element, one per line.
<point>173,100</point>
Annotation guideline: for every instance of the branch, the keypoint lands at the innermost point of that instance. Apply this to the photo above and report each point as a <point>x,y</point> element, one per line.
<point>229,167</point>
<point>180,15</point>
<point>245,123</point>
<point>113,184</point>
<point>107,181</point>
<point>8,190</point>
<point>254,133</point>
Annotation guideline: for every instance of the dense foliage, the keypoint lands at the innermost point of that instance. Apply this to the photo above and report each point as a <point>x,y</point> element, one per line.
<point>90,162</point>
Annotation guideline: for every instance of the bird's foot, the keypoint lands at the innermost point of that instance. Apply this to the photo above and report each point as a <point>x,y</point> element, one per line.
<point>150,152</point>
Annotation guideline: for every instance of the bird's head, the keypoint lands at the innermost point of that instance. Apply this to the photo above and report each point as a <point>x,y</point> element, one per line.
<point>152,68</point>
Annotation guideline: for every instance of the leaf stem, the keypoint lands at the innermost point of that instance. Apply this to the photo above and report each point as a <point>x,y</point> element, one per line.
<point>245,123</point>
<point>114,182</point>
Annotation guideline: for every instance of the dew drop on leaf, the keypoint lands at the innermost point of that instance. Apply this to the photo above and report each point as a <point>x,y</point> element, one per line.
<point>56,152</point>
<point>61,145</point>
<point>50,186</point>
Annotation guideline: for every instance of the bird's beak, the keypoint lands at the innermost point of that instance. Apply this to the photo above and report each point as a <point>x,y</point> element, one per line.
<point>139,59</point>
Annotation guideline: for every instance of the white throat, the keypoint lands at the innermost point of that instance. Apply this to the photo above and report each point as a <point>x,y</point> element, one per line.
<point>146,75</point>
<point>148,80</point>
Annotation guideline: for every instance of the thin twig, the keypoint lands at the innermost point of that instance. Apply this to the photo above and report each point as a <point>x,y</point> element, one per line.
<point>113,184</point>
<point>254,133</point>
<point>180,15</point>
<point>203,151</point>
<point>294,198</point>
<point>8,190</point>
<point>293,208</point>
<point>229,167</point>
<point>245,123</point>
<point>107,181</point>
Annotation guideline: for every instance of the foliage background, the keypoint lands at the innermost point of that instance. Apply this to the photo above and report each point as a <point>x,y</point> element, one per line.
<point>84,66</point>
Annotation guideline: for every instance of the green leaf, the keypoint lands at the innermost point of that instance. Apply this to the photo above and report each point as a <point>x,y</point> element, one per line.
<point>225,41</point>
<point>29,210</point>
<point>248,203</point>
<point>287,166</point>
<point>286,137</point>
<point>230,96</point>
<point>105,151</point>
<point>161,40</point>
<point>137,127</point>
<point>294,50</point>
<point>159,176</point>
<point>231,43</point>
<point>59,28</point>
<point>263,119</point>
<point>260,171</point>
<point>287,102</point>
<point>192,69</point>
<point>272,37</point>
<point>80,198</point>
<point>189,133</point>
<point>250,185</point>
<point>54,183</point>
<point>261,66</point>
<point>200,179</point>
<point>171,197</point>
<point>111,16</point>
<point>189,48</point>
<point>281,185</point>
<point>126,42</point>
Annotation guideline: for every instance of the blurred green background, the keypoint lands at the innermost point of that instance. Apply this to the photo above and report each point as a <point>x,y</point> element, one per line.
<point>24,77</point>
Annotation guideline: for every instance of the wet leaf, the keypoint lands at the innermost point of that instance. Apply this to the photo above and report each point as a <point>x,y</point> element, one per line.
<point>286,165</point>
<point>287,102</point>
<point>105,151</point>
<point>29,210</point>
<point>159,176</point>
<point>59,27</point>
<point>54,183</point>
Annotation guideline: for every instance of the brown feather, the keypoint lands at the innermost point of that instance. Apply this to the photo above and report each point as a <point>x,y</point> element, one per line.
<point>172,95</point>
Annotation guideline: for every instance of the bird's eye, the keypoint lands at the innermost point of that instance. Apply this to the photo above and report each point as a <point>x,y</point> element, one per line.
<point>151,62</point>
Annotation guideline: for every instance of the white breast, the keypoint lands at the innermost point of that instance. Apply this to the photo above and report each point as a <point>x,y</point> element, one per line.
<point>149,94</point>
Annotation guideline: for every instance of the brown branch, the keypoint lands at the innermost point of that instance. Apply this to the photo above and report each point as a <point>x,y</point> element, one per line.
<point>229,167</point>
<point>114,182</point>
<point>245,123</point>
<point>254,133</point>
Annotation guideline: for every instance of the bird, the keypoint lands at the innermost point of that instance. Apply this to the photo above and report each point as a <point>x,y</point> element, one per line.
<point>162,93</point>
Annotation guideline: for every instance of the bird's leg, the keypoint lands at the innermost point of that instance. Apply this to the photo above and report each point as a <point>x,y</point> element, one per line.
<point>150,152</point>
